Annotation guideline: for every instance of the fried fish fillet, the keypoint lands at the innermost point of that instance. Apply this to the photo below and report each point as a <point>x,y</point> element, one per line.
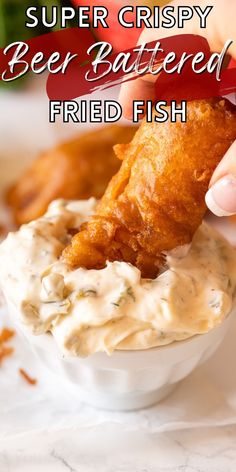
<point>78,169</point>
<point>156,201</point>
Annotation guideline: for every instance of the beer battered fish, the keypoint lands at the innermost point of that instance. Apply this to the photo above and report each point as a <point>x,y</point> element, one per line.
<point>156,201</point>
<point>78,169</point>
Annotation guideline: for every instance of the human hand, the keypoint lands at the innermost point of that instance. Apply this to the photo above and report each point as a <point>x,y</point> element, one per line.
<point>221,197</point>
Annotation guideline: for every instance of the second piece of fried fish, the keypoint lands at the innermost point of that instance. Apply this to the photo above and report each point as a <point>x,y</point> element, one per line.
<point>77,169</point>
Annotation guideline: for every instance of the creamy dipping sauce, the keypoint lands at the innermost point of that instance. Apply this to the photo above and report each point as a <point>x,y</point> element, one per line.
<point>88,311</point>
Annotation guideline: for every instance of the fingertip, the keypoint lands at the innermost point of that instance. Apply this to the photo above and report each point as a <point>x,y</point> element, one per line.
<point>221,197</point>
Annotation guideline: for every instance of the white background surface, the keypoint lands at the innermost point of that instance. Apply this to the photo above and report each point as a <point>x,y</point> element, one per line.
<point>201,450</point>
<point>36,436</point>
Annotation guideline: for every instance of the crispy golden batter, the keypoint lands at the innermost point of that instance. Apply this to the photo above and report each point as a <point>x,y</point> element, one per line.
<point>156,200</point>
<point>78,169</point>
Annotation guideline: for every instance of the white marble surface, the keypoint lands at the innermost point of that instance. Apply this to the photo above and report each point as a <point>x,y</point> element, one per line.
<point>111,450</point>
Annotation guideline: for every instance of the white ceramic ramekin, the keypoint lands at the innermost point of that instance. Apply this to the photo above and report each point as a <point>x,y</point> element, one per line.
<point>128,380</point>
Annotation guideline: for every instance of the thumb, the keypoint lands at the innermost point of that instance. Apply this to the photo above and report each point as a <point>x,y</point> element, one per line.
<point>221,197</point>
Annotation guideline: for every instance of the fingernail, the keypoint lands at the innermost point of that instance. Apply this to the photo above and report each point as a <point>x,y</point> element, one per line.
<point>221,197</point>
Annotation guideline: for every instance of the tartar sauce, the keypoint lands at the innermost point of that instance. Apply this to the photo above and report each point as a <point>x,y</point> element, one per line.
<point>88,311</point>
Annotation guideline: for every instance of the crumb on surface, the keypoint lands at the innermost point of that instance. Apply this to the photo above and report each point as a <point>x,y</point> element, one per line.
<point>28,379</point>
<point>6,334</point>
<point>5,351</point>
